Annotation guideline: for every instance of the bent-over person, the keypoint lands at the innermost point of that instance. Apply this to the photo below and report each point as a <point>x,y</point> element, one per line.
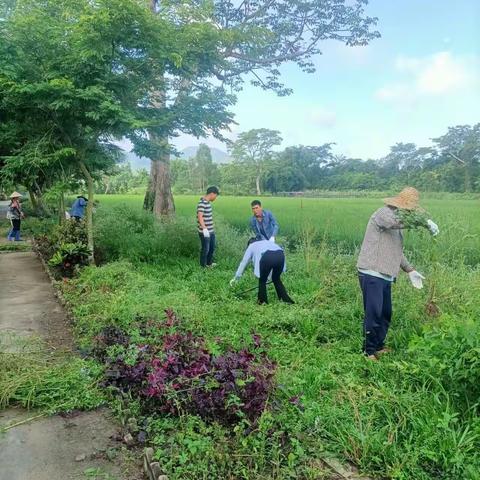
<point>268,259</point>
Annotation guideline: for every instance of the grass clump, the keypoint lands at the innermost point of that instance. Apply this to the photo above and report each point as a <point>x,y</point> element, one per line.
<point>34,377</point>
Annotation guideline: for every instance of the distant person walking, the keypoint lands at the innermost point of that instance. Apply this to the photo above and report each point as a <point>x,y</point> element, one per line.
<point>268,259</point>
<point>380,260</point>
<point>78,208</point>
<point>263,223</point>
<point>15,215</point>
<point>206,230</point>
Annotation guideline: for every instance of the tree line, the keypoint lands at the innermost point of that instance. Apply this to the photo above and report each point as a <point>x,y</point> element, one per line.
<point>451,164</point>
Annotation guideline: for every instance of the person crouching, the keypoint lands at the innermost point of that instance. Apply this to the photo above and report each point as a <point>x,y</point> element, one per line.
<point>268,259</point>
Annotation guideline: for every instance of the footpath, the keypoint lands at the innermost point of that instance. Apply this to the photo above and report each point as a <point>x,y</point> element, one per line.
<point>77,446</point>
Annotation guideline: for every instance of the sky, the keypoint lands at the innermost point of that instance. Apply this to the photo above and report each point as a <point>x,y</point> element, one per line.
<point>410,85</point>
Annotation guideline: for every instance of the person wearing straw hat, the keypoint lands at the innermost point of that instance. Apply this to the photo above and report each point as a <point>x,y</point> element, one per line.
<point>15,215</point>
<point>379,262</point>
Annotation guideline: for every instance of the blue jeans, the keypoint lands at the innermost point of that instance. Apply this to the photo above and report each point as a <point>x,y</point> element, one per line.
<point>207,249</point>
<point>377,303</point>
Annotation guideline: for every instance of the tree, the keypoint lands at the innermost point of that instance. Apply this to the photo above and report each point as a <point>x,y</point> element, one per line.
<point>462,145</point>
<point>205,171</point>
<point>74,74</point>
<point>253,149</point>
<point>252,39</point>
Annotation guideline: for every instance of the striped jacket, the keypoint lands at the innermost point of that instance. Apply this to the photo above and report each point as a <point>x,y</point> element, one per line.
<point>382,247</point>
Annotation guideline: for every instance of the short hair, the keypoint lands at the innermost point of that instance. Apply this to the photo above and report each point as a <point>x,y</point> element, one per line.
<point>213,190</point>
<point>252,240</point>
<point>256,202</point>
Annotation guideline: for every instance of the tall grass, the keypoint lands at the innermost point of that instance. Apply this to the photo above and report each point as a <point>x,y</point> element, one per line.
<point>340,222</point>
<point>413,415</point>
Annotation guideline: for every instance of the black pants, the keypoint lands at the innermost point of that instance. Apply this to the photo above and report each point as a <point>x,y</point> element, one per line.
<point>272,261</point>
<point>207,249</point>
<point>377,304</point>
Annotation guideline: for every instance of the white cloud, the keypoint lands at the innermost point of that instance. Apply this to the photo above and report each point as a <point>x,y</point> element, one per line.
<point>444,74</point>
<point>439,74</point>
<point>322,117</point>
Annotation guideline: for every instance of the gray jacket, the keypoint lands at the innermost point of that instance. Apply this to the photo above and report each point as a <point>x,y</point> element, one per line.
<point>382,247</point>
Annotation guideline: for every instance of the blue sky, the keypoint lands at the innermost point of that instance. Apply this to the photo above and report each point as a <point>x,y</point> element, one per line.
<point>422,76</point>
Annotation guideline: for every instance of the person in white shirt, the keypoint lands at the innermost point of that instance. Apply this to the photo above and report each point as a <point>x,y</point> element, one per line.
<point>268,259</point>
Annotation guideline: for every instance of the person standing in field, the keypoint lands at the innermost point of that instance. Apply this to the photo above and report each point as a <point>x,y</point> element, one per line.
<point>78,208</point>
<point>15,215</point>
<point>263,223</point>
<point>206,230</point>
<point>380,260</point>
<point>268,259</point>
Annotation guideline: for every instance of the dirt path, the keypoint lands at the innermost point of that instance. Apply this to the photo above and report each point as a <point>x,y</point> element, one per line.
<point>58,447</point>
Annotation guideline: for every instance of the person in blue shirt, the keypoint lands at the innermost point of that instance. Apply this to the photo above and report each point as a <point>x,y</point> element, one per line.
<point>268,259</point>
<point>78,208</point>
<point>263,223</point>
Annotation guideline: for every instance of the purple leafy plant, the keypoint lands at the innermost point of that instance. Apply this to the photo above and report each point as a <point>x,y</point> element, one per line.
<point>181,375</point>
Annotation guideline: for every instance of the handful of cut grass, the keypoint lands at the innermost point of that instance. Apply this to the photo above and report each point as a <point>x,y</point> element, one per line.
<point>413,219</point>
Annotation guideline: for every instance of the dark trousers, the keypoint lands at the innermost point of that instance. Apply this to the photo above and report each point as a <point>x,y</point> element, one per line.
<point>207,249</point>
<point>272,261</point>
<point>14,232</point>
<point>377,303</point>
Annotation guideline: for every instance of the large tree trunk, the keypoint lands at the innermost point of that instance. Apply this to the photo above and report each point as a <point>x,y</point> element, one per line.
<point>159,198</point>
<point>89,216</point>
<point>257,184</point>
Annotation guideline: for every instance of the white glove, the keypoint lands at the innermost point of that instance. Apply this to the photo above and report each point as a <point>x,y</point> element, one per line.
<point>416,279</point>
<point>272,239</point>
<point>232,281</point>
<point>433,227</point>
<point>206,233</point>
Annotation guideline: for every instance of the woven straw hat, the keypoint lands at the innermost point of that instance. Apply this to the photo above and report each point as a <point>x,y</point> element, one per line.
<point>16,195</point>
<point>407,198</point>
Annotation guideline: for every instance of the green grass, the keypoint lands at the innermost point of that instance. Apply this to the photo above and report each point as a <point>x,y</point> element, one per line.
<point>340,222</point>
<point>412,415</point>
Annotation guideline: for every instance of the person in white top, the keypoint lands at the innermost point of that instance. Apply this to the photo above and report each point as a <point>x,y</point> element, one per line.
<point>268,259</point>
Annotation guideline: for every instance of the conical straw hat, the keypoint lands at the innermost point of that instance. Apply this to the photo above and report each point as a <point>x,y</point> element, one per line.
<point>16,195</point>
<point>407,198</point>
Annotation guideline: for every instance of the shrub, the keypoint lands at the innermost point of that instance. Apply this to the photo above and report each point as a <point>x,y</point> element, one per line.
<point>65,248</point>
<point>69,257</point>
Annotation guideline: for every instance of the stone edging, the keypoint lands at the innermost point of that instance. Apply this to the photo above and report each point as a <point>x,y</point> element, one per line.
<point>151,467</point>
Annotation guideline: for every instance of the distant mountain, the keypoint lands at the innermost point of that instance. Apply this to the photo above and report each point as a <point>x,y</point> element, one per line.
<point>218,156</point>
<point>137,162</point>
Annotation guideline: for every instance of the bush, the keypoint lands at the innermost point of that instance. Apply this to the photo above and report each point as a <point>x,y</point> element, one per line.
<point>65,248</point>
<point>69,258</point>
